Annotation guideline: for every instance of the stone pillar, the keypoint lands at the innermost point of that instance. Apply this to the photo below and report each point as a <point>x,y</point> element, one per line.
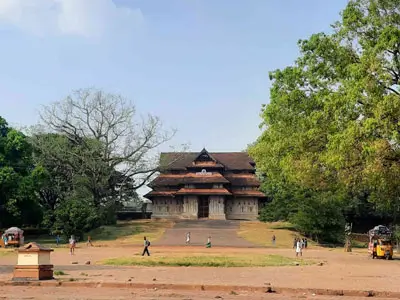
<point>217,208</point>
<point>190,207</point>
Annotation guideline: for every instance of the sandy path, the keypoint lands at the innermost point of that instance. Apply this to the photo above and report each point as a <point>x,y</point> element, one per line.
<point>222,232</point>
<point>348,271</point>
<point>34,293</point>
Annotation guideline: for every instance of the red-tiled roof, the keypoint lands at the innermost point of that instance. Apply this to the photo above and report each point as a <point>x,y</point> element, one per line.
<point>243,179</point>
<point>204,178</point>
<point>248,193</point>
<point>230,160</point>
<point>185,191</point>
<point>176,179</point>
<point>160,194</point>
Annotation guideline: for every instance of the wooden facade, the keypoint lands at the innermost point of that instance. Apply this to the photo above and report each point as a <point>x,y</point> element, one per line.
<point>206,185</point>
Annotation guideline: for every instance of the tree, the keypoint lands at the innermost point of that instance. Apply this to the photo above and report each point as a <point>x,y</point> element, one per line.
<point>110,137</point>
<point>92,142</point>
<point>320,217</point>
<point>18,202</point>
<point>333,119</point>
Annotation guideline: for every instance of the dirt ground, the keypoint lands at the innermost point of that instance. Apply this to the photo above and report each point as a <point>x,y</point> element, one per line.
<point>34,293</point>
<point>222,233</point>
<point>346,271</point>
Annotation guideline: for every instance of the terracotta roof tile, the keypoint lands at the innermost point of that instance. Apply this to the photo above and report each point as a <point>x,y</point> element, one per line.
<point>243,179</point>
<point>248,193</point>
<point>230,160</point>
<point>160,194</point>
<point>185,191</point>
<point>176,179</point>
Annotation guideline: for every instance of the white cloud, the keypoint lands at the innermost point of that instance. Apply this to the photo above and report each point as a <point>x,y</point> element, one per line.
<point>87,18</point>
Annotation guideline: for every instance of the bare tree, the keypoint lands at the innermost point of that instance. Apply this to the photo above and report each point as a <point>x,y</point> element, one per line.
<point>125,142</point>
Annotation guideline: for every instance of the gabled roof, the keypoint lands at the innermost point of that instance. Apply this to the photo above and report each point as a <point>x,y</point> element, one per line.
<point>204,152</point>
<point>230,160</point>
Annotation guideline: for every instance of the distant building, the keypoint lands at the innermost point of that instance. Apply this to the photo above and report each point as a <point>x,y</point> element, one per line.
<point>206,185</point>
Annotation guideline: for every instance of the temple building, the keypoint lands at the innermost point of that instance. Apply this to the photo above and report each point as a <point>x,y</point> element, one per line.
<point>217,185</point>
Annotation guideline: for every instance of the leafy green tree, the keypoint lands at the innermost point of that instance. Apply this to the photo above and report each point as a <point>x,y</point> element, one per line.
<point>320,217</point>
<point>95,155</point>
<point>18,186</point>
<point>333,119</point>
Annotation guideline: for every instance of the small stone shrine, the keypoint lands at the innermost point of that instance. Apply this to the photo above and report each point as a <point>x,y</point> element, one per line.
<point>33,263</point>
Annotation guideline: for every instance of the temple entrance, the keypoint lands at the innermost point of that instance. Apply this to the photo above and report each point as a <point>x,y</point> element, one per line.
<point>203,206</point>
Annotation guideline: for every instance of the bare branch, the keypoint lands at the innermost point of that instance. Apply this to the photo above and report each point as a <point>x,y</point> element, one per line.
<point>109,135</point>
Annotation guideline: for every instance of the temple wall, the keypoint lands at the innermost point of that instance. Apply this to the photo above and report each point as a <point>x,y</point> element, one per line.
<point>167,208</point>
<point>245,208</point>
<point>216,208</point>
<point>190,207</point>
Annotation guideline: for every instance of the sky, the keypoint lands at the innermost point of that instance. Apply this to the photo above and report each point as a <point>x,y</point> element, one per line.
<point>200,65</point>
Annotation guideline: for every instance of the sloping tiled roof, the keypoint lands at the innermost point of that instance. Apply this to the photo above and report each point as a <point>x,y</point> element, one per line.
<point>243,179</point>
<point>176,179</point>
<point>185,191</point>
<point>160,194</point>
<point>200,178</point>
<point>248,193</point>
<point>230,160</point>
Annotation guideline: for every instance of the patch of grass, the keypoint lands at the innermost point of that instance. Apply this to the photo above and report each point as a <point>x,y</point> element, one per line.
<point>60,273</point>
<point>131,232</point>
<point>358,244</point>
<point>207,261</point>
<point>113,232</point>
<point>261,233</point>
<point>126,232</point>
<point>282,225</point>
<point>6,252</point>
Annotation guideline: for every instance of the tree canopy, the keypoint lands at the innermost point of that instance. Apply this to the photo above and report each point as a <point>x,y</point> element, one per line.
<point>18,201</point>
<point>85,159</point>
<point>332,123</point>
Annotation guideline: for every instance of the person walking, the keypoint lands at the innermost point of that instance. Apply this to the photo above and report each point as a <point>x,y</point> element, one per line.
<point>146,245</point>
<point>188,238</point>
<point>89,241</point>
<point>72,244</point>
<point>58,240</point>
<point>305,243</point>
<point>299,250</point>
<point>208,245</point>
<point>273,240</point>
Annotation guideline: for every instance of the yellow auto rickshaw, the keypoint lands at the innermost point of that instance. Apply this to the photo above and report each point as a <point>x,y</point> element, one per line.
<point>380,243</point>
<point>382,248</point>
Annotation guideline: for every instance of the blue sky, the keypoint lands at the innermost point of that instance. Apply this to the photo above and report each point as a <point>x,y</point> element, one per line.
<point>200,65</point>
